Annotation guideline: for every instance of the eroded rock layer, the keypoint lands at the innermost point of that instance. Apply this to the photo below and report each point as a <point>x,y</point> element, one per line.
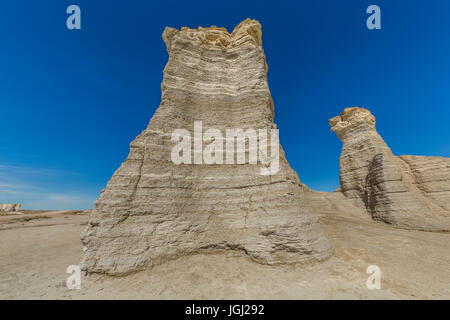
<point>153,210</point>
<point>406,191</point>
<point>9,207</point>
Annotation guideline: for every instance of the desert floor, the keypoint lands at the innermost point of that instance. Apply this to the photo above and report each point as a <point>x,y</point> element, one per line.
<point>36,249</point>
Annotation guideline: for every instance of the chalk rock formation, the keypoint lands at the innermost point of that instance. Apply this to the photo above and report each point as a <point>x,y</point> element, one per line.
<point>153,210</point>
<point>407,191</point>
<point>10,208</point>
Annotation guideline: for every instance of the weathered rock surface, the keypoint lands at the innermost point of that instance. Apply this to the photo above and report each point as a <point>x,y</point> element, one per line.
<point>9,208</point>
<point>153,210</point>
<point>406,191</point>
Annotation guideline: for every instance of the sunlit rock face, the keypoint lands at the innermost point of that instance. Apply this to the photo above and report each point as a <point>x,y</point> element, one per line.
<point>9,207</point>
<point>153,210</point>
<point>406,191</point>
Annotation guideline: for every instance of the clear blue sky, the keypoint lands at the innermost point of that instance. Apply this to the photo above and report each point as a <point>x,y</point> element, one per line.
<point>72,101</point>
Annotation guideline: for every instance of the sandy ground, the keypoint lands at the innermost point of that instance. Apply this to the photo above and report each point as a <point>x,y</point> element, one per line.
<point>37,248</point>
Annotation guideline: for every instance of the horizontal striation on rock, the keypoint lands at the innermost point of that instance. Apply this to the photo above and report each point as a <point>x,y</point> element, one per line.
<point>153,210</point>
<point>406,191</point>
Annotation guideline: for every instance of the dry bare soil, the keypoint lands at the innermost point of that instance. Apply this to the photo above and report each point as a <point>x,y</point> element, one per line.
<point>36,249</point>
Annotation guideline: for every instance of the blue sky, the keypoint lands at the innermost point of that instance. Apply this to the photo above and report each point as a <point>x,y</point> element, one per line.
<point>72,101</point>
